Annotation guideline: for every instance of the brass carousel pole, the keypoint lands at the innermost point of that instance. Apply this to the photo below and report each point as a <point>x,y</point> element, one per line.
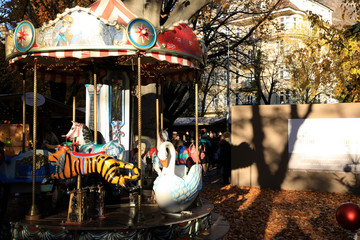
<point>23,114</point>
<point>34,212</point>
<point>78,185</point>
<point>157,114</point>
<point>196,122</point>
<point>161,111</point>
<point>77,210</point>
<point>95,107</point>
<point>139,128</point>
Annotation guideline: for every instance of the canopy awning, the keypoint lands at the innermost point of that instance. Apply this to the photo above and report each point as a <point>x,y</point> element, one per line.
<point>190,121</point>
<point>106,29</point>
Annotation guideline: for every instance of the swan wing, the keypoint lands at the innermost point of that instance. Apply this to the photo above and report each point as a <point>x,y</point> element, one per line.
<point>156,164</point>
<point>194,179</point>
<point>179,191</point>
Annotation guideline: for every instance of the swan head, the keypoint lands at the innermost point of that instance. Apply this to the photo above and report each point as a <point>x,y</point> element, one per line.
<point>166,157</point>
<point>164,160</point>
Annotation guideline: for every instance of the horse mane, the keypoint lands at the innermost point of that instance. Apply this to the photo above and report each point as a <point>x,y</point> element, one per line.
<point>87,135</point>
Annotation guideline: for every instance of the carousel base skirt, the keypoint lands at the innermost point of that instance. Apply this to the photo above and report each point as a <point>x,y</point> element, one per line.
<point>123,221</point>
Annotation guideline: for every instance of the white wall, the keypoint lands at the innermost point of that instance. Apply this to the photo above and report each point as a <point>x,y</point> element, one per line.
<point>309,5</point>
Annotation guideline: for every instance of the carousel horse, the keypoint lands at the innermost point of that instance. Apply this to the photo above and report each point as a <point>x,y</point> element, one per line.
<point>173,193</point>
<point>164,135</point>
<point>182,156</point>
<point>71,164</point>
<point>83,137</point>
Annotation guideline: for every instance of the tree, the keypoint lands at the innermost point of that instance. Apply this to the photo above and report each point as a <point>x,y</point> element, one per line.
<point>215,26</point>
<point>350,7</point>
<point>309,64</point>
<point>344,50</point>
<point>261,58</point>
<point>311,74</point>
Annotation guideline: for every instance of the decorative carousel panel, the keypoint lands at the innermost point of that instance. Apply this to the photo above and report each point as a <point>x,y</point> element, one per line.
<point>141,34</point>
<point>181,39</point>
<point>80,29</point>
<point>24,36</point>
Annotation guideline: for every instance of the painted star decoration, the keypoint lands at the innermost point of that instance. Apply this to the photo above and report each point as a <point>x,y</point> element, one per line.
<point>22,35</point>
<point>143,33</point>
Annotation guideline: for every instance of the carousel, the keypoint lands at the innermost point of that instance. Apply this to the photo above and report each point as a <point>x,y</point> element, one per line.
<point>116,52</point>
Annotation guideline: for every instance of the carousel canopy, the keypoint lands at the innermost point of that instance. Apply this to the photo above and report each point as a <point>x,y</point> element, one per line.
<point>106,29</point>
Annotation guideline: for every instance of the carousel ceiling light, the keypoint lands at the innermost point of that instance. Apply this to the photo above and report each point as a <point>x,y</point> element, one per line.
<point>8,142</point>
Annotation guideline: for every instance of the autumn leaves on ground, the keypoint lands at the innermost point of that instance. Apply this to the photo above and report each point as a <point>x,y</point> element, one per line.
<point>255,213</point>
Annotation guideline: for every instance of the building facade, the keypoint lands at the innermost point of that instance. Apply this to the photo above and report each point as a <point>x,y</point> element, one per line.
<point>260,61</point>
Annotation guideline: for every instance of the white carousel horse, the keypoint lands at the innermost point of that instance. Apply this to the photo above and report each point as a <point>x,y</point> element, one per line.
<point>83,137</point>
<point>173,193</point>
<point>164,136</point>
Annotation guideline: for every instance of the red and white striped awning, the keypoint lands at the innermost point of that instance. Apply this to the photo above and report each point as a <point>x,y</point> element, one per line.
<point>82,54</point>
<point>113,10</point>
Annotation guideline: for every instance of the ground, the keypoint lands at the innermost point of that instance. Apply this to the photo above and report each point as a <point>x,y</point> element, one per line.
<point>252,213</point>
<point>255,213</point>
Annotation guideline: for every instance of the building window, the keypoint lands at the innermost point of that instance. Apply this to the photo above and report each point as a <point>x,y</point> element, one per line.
<point>281,98</point>
<point>287,73</point>
<point>216,101</point>
<point>249,99</point>
<point>238,32</point>
<point>288,99</point>
<point>248,79</point>
<point>288,23</point>
<point>282,24</point>
<point>238,77</point>
<point>224,100</point>
<point>281,47</point>
<point>223,77</point>
<point>238,99</point>
<point>287,48</point>
<point>281,72</point>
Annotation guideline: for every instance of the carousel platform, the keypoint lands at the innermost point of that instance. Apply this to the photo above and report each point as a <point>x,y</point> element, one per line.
<point>122,221</point>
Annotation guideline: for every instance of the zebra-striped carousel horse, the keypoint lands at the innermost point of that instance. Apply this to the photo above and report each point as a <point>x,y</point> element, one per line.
<point>84,140</point>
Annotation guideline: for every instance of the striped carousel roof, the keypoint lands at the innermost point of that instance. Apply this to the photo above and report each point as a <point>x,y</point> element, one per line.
<point>113,10</point>
<point>107,37</point>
